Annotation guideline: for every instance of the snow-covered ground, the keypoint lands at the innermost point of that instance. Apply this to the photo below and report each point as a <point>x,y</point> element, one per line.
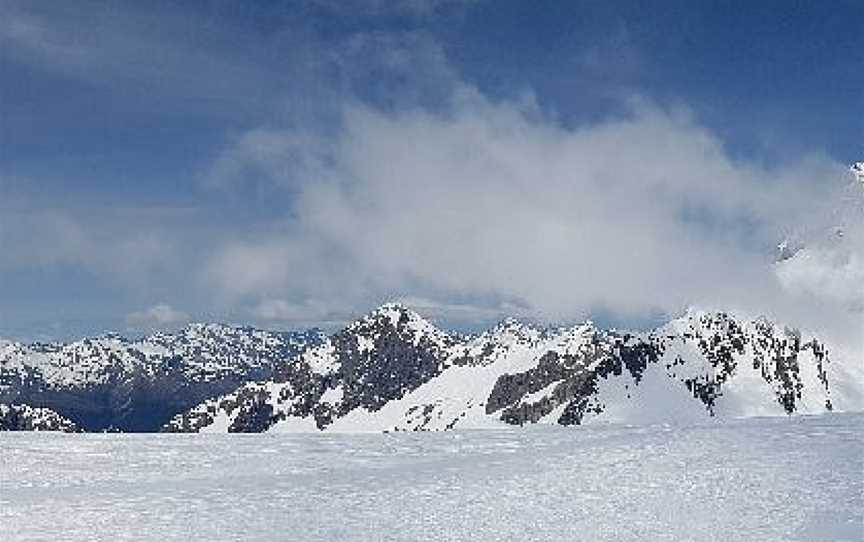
<point>794,478</point>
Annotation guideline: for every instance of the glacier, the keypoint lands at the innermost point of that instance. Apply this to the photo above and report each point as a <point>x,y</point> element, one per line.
<point>766,479</point>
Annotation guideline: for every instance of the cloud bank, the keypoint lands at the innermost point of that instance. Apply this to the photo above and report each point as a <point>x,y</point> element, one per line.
<point>496,204</point>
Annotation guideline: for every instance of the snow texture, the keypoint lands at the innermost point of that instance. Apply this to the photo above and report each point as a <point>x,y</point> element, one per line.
<point>765,479</point>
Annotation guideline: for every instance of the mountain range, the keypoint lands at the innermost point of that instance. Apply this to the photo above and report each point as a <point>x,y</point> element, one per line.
<point>392,370</point>
<point>110,383</point>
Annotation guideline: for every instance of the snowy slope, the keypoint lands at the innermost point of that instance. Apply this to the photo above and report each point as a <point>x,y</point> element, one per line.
<point>759,479</point>
<point>394,371</point>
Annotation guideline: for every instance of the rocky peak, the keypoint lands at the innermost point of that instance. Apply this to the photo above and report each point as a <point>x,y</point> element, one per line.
<point>514,326</point>
<point>857,170</point>
<point>512,332</point>
<point>397,319</point>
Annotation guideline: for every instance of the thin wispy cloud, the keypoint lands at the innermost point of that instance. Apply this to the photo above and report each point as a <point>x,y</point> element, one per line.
<point>161,316</point>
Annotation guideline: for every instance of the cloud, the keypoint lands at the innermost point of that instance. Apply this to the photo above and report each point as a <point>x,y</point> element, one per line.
<point>380,174</point>
<point>181,59</point>
<point>494,201</point>
<point>378,8</point>
<point>308,313</point>
<point>165,60</point>
<point>261,156</point>
<point>335,313</point>
<point>160,316</point>
<point>114,244</point>
<point>834,275</point>
<point>466,315</point>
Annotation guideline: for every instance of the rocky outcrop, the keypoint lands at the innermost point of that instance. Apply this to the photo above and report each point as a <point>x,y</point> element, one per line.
<point>27,418</point>
<point>375,360</point>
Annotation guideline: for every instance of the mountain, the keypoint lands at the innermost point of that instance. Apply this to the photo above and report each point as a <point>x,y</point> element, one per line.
<point>373,361</point>
<point>394,371</point>
<point>857,170</point>
<point>112,383</point>
<point>27,418</point>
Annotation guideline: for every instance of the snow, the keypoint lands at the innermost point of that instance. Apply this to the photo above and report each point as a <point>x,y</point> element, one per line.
<point>472,366</point>
<point>294,424</point>
<point>858,171</point>
<point>149,348</point>
<point>571,341</point>
<point>791,479</point>
<point>457,396</point>
<point>209,352</point>
<point>333,395</point>
<point>410,324</point>
<point>653,401</point>
<point>321,358</point>
<point>221,422</point>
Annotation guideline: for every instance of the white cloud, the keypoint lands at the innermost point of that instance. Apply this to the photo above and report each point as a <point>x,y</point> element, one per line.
<point>308,313</point>
<point>467,315</point>
<point>494,201</point>
<point>160,316</point>
<point>834,275</point>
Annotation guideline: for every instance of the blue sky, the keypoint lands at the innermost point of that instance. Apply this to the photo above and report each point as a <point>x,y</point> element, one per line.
<point>167,161</point>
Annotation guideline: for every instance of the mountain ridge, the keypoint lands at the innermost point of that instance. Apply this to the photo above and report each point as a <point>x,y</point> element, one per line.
<point>113,383</point>
<point>516,374</point>
<point>392,369</point>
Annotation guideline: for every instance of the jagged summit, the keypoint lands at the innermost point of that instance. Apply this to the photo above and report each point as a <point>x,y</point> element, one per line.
<point>393,313</point>
<point>205,327</point>
<point>857,170</point>
<point>515,326</point>
<point>401,320</point>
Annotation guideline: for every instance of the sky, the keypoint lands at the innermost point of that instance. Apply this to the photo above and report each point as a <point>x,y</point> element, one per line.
<point>295,164</point>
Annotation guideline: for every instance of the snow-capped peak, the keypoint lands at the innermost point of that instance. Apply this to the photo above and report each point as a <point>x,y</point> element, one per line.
<point>405,321</point>
<point>857,170</point>
<point>395,312</point>
<point>514,326</point>
<point>786,250</point>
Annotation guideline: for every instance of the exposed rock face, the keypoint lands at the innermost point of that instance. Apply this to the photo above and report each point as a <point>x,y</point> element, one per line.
<point>392,370</point>
<point>27,418</point>
<point>114,383</point>
<point>385,355</point>
<point>373,361</point>
<point>572,377</point>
